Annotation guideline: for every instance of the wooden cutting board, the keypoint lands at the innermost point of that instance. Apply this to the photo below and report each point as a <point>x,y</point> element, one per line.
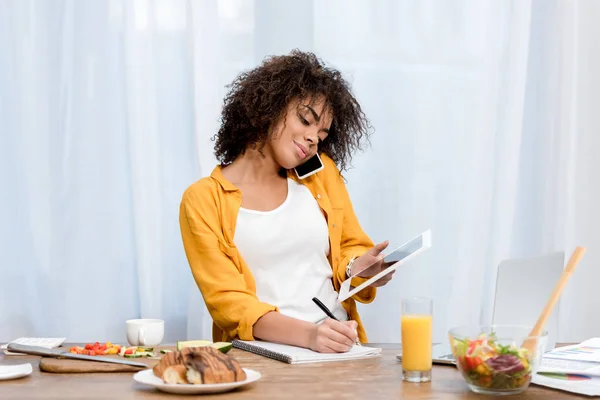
<point>63,366</point>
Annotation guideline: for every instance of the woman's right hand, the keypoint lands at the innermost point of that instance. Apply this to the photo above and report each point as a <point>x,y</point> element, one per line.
<point>333,336</point>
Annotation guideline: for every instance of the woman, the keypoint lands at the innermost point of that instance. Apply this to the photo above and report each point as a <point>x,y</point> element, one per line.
<point>261,242</point>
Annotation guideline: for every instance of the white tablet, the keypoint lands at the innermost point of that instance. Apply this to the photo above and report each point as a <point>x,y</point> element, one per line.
<point>397,257</point>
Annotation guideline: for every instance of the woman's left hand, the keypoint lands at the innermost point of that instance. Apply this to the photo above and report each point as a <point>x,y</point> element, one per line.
<point>371,263</point>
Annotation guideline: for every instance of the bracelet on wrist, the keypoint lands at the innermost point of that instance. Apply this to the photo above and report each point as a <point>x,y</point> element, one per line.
<point>349,267</point>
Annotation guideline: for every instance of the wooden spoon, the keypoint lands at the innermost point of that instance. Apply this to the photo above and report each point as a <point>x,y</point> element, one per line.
<point>531,341</point>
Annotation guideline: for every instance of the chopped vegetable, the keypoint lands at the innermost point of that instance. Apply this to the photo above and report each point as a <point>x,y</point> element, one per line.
<point>223,347</point>
<point>193,343</point>
<point>137,351</point>
<point>96,349</point>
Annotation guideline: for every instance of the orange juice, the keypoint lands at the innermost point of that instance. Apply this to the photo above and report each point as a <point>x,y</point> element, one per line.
<point>416,342</point>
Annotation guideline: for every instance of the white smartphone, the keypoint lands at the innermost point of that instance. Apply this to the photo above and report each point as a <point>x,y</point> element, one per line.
<point>311,166</point>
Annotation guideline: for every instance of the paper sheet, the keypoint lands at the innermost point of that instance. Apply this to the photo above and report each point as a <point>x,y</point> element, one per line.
<point>574,369</point>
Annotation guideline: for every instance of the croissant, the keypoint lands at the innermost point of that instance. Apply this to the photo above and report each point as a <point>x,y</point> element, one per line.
<point>175,374</point>
<point>172,358</point>
<point>202,365</point>
<point>208,365</point>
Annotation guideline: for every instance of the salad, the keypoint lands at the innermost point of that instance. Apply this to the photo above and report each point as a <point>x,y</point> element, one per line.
<point>487,364</point>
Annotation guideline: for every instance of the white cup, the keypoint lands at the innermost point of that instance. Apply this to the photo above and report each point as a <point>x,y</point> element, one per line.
<point>145,332</point>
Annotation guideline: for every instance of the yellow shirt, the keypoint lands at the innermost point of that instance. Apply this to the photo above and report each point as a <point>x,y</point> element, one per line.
<point>208,216</point>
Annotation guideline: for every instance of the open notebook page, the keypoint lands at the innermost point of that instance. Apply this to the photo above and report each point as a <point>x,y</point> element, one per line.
<point>299,355</point>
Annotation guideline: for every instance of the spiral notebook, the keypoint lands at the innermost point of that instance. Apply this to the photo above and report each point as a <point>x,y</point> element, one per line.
<point>299,355</point>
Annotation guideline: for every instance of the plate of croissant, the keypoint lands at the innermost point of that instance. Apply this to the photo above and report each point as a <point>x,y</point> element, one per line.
<point>197,370</point>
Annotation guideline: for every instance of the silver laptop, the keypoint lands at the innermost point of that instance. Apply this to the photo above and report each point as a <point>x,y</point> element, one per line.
<point>534,276</point>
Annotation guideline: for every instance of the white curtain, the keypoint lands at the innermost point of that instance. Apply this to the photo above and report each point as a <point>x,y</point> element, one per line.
<point>484,116</point>
<point>96,118</point>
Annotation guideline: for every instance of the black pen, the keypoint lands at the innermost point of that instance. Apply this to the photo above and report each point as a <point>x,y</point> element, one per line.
<point>328,312</point>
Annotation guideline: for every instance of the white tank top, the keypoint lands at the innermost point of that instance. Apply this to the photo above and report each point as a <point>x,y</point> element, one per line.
<point>286,249</point>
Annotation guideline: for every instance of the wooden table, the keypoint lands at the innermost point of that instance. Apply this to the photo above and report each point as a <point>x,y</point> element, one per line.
<point>369,379</point>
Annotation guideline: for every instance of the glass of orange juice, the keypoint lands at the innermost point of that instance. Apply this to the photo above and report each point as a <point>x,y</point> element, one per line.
<point>416,339</point>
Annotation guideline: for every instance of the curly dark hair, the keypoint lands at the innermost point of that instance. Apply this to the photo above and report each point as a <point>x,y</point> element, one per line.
<point>258,98</point>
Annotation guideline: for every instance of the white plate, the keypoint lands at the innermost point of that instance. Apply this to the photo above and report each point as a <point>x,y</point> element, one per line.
<point>14,371</point>
<point>147,377</point>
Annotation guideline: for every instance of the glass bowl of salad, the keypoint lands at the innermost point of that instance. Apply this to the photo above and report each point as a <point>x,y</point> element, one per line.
<point>492,359</point>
